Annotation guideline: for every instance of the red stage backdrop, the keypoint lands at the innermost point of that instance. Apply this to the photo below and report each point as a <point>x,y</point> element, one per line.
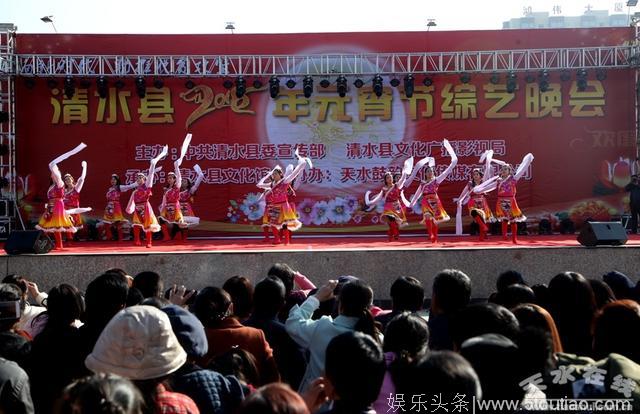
<point>583,141</point>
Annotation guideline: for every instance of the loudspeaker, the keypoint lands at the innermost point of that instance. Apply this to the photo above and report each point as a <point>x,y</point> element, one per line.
<point>610,233</point>
<point>28,241</point>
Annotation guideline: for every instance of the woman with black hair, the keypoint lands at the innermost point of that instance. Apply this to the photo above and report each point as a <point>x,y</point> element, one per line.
<point>187,194</point>
<point>354,302</point>
<point>72,198</point>
<point>476,203</point>
<point>113,215</point>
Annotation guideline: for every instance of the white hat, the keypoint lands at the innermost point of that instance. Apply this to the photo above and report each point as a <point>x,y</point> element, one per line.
<point>139,344</point>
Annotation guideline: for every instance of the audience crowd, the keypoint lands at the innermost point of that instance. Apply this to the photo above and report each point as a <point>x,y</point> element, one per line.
<point>127,345</point>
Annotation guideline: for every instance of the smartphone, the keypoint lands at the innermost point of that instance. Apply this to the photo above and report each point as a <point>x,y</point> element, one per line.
<point>10,310</point>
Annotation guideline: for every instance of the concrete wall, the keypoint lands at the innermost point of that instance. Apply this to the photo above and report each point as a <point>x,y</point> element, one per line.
<point>377,267</point>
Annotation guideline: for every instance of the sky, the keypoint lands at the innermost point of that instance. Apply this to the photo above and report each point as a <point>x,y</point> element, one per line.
<point>280,16</point>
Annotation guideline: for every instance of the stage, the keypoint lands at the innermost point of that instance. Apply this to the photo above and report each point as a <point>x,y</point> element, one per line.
<point>201,262</point>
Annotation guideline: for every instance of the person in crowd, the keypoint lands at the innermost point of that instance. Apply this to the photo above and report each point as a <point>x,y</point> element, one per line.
<point>113,214</point>
<point>14,344</point>
<point>238,363</point>
<point>508,278</point>
<point>573,306</point>
<point>477,204</point>
<point>405,341</point>
<point>350,358</point>
<point>56,352</point>
<point>621,285</point>
<point>602,292</point>
<point>28,290</point>
<point>451,292</point>
<point>274,399</point>
<point>530,315</point>
<point>15,395</point>
<point>211,391</point>
<point>507,210</point>
<point>144,219</point>
<point>514,295</point>
<point>72,191</point>
<point>139,344</point>
<point>483,318</point>
<point>433,213</point>
<point>55,218</point>
<point>101,394</point>
<point>634,201</point>
<point>291,279</point>
<point>407,295</point>
<point>616,329</point>
<point>150,284</point>
<point>214,308</point>
<point>314,335</point>
<point>241,291</point>
<point>268,300</point>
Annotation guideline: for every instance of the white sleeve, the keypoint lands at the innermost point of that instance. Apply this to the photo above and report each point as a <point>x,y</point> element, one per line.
<point>302,163</point>
<point>406,172</point>
<point>486,186</point>
<point>80,181</point>
<point>522,168</point>
<point>452,165</point>
<point>152,166</point>
<point>199,178</point>
<point>375,199</point>
<point>299,324</point>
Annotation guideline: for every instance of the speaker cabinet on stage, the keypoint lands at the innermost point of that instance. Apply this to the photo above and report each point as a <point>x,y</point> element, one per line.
<point>28,241</point>
<point>609,233</point>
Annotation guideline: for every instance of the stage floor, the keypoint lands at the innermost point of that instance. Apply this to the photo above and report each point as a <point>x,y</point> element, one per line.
<point>320,243</point>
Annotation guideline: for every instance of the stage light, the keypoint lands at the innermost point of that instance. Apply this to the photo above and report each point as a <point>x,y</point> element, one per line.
<point>544,81</point>
<point>427,81</point>
<point>257,84</point>
<point>341,86</point>
<point>227,84</point>
<point>465,78</point>
<point>581,80</point>
<point>325,83</point>
<point>408,85</point>
<point>291,84</point>
<point>512,82</point>
<point>141,87</point>
<point>69,87</point>
<point>159,84</point>
<point>494,79</point>
<point>241,86</point>
<point>52,83</point>
<point>358,83</point>
<point>377,85</point>
<point>119,84</point>
<point>274,87</point>
<point>4,116</point>
<point>601,75</point>
<point>307,86</point>
<point>394,82</point>
<point>29,83</point>
<point>102,86</point>
<point>189,84</point>
<point>530,78</point>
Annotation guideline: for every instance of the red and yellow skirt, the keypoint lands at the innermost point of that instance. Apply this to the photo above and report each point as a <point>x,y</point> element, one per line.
<point>480,205</point>
<point>55,219</point>
<point>172,214</point>
<point>113,213</point>
<point>394,210</point>
<point>143,217</point>
<point>432,209</point>
<point>507,210</point>
<point>280,214</point>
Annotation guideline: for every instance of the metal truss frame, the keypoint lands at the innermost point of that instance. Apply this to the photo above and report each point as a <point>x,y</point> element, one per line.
<point>496,61</point>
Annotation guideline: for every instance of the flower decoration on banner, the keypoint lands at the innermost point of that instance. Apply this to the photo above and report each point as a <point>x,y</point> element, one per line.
<point>596,210</point>
<point>305,211</point>
<point>232,211</point>
<point>351,203</point>
<point>319,214</point>
<point>615,175</point>
<point>338,211</point>
<point>252,206</point>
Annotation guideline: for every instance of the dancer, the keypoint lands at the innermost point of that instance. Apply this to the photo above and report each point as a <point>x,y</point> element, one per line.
<point>476,203</point>
<point>432,211</point>
<point>113,215</point>
<point>393,212</point>
<point>187,193</point>
<point>72,198</point>
<point>170,211</point>
<point>139,206</point>
<point>279,217</point>
<point>55,219</point>
<point>507,210</point>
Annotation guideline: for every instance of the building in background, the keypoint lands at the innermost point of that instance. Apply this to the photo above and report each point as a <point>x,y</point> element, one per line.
<point>546,20</point>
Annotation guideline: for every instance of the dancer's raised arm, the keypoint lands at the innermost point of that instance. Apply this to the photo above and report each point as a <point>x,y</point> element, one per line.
<point>152,166</point>
<point>454,161</point>
<point>53,165</point>
<point>199,179</point>
<point>522,168</point>
<point>80,181</point>
<point>302,163</point>
<point>406,172</point>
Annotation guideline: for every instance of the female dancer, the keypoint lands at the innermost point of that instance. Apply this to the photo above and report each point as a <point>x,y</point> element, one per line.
<point>113,211</point>
<point>139,206</point>
<point>507,210</point>
<point>55,219</point>
<point>278,214</point>
<point>393,212</point>
<point>476,203</point>
<point>170,211</point>
<point>187,193</point>
<point>72,198</point>
<point>432,210</point>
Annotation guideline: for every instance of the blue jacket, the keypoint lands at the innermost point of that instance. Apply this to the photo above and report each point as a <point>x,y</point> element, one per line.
<point>211,391</point>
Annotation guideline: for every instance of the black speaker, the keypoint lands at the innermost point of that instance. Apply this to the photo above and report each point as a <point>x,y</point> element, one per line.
<point>610,233</point>
<point>28,241</point>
